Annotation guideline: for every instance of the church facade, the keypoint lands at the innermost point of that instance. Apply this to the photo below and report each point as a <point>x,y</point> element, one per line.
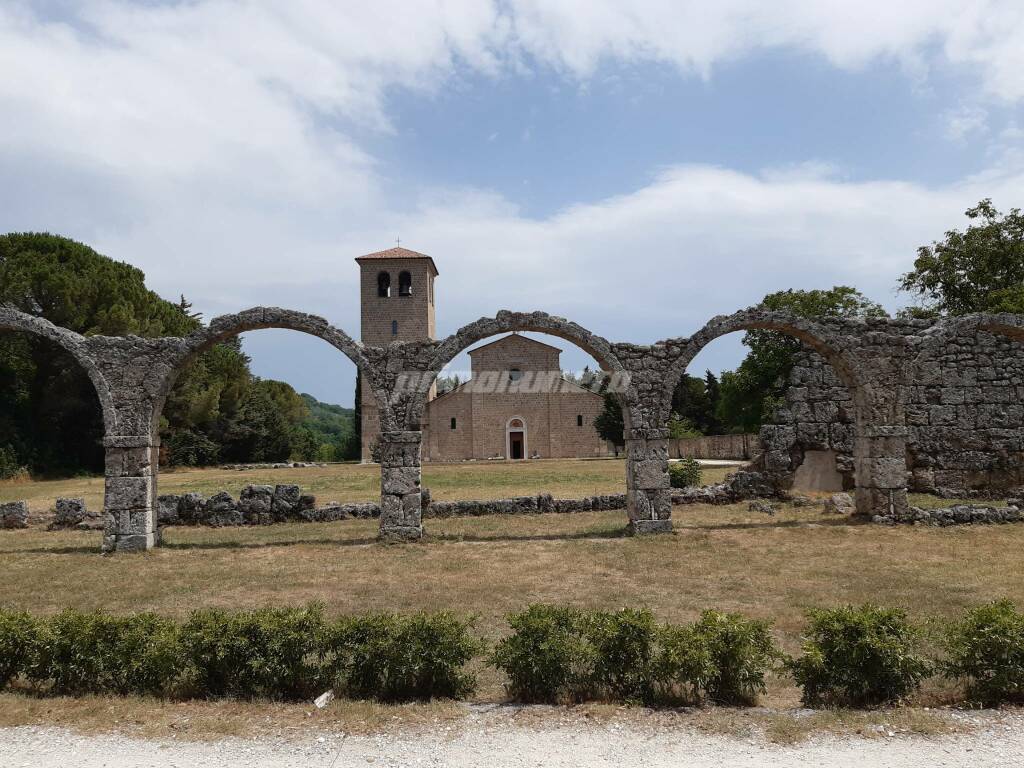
<point>516,405</point>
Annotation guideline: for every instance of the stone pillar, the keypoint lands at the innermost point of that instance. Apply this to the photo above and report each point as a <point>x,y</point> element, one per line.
<point>400,498</point>
<point>129,506</point>
<point>880,455</point>
<point>648,494</point>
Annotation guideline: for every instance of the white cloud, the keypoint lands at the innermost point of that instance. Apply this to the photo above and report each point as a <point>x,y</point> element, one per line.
<point>696,35</point>
<point>212,143</point>
<point>965,121</point>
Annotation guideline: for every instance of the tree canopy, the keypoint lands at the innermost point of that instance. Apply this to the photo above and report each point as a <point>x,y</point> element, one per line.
<point>751,393</point>
<point>980,269</point>
<point>50,418</point>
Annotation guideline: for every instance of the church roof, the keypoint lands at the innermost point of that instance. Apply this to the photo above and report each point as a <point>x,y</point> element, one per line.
<point>397,253</point>
<point>504,339</point>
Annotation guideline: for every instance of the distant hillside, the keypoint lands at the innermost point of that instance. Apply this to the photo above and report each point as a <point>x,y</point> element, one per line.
<point>333,428</point>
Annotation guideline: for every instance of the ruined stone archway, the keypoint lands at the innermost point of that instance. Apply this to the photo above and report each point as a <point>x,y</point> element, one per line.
<point>873,382</point>
<point>879,359</point>
<point>75,344</point>
<point>408,371</point>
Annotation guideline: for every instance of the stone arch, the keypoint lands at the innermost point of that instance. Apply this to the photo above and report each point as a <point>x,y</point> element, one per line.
<point>816,336</point>
<point>12,319</point>
<point>256,318</point>
<point>880,472</point>
<point>412,401</point>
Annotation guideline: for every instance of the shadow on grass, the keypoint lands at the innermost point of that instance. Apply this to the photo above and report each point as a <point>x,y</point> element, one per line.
<point>616,533</point>
<point>681,526</point>
<point>836,522</point>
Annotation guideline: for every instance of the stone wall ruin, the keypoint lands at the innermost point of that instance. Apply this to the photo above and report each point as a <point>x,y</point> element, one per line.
<point>884,365</point>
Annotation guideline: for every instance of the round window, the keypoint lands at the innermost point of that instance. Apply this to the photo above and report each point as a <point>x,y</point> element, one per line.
<point>515,374</point>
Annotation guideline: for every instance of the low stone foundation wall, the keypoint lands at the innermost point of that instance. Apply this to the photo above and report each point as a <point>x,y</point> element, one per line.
<point>267,504</point>
<point>958,514</point>
<point>715,447</point>
<point>256,505</point>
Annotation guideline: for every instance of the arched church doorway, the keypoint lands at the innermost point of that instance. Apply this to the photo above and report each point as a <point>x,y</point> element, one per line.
<point>515,439</point>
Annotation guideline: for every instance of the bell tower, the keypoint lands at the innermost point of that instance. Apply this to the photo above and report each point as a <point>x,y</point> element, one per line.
<point>397,302</point>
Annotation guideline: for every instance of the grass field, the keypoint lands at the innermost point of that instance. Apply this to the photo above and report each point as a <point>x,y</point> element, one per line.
<point>724,557</point>
<point>564,478</point>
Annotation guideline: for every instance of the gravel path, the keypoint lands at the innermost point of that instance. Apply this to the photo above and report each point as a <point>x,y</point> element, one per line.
<point>614,745</point>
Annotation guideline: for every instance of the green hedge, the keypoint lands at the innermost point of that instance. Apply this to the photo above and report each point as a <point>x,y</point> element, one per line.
<point>402,658</point>
<point>558,654</point>
<point>272,653</point>
<point>852,656</point>
<point>859,656</point>
<point>986,648</point>
<point>20,644</point>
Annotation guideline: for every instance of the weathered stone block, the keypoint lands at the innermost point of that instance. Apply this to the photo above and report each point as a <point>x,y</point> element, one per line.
<point>399,481</point>
<point>391,513</point>
<point>883,473</point>
<point>167,509</point>
<point>255,503</point>
<point>839,504</point>
<point>67,513</point>
<point>285,501</point>
<point>127,492</point>
<point>190,508</point>
<point>650,474</point>
<point>221,510</point>
<point>14,514</point>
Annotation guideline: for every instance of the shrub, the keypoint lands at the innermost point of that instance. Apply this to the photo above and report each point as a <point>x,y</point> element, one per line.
<point>859,656</point>
<point>98,653</point>
<point>741,652</point>
<point>273,653</point>
<point>557,654</point>
<point>402,658</point>
<point>684,666</point>
<point>625,648</point>
<point>21,639</point>
<point>987,648</point>
<point>548,657</point>
<point>684,473</point>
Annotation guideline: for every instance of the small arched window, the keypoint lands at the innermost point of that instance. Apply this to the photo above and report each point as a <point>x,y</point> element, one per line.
<point>515,424</point>
<point>394,327</point>
<point>404,284</point>
<point>515,374</point>
<point>384,284</point>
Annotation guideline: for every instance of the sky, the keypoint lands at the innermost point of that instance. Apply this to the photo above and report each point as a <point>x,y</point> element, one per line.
<point>636,167</point>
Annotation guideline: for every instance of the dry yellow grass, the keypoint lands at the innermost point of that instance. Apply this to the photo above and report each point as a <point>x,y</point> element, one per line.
<point>724,557</point>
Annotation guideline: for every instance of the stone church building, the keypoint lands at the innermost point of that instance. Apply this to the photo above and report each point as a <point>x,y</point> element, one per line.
<point>516,405</point>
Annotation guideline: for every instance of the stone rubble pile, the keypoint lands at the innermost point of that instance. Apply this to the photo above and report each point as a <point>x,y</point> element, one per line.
<point>72,513</point>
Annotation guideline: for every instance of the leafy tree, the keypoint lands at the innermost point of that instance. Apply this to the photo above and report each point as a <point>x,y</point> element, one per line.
<point>609,423</point>
<point>692,402</point>
<point>357,418</point>
<point>748,395</point>
<point>333,428</point>
<point>978,270</point>
<point>50,419</point>
<point>260,432</point>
